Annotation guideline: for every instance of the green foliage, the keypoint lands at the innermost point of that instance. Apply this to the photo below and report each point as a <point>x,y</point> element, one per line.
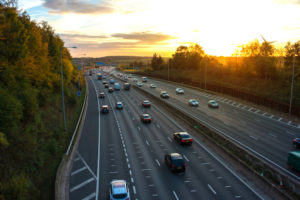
<point>31,135</point>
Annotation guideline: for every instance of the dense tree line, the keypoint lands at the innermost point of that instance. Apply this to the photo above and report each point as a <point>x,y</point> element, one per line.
<point>30,102</point>
<point>256,67</point>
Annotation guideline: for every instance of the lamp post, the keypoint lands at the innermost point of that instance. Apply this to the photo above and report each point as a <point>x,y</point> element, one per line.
<point>62,86</point>
<point>292,84</point>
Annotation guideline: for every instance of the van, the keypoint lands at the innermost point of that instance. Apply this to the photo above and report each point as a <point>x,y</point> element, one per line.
<point>117,86</point>
<point>294,160</point>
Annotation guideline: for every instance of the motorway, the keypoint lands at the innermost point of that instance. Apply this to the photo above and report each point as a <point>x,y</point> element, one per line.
<point>267,136</point>
<point>118,146</point>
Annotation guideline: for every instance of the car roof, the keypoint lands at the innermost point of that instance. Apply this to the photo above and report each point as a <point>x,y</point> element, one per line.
<point>146,101</point>
<point>144,115</point>
<point>212,101</point>
<point>119,187</point>
<point>182,133</point>
<point>119,102</point>
<point>175,156</point>
<point>105,106</point>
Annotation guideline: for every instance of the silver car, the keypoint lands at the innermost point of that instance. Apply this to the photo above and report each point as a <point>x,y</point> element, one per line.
<point>193,102</point>
<point>213,104</point>
<point>152,85</point>
<point>118,190</point>
<point>179,91</point>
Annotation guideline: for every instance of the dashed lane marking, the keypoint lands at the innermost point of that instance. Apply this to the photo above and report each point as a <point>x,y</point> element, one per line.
<point>157,162</point>
<point>212,189</point>
<point>186,158</point>
<point>169,139</point>
<point>176,197</point>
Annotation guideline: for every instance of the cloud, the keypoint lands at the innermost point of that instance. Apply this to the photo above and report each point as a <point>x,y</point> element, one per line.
<point>288,1</point>
<point>80,36</point>
<point>77,6</point>
<point>144,37</point>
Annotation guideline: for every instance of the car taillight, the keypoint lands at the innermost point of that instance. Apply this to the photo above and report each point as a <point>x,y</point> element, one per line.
<point>294,140</point>
<point>182,141</point>
<point>172,165</point>
<point>191,140</point>
<point>185,164</point>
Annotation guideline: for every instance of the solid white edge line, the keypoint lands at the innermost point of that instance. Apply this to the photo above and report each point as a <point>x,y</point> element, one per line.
<point>86,165</point>
<point>134,190</point>
<point>98,157</point>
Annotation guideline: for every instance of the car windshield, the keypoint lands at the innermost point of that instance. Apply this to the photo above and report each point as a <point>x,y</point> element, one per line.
<point>178,161</point>
<point>185,136</point>
<point>147,116</point>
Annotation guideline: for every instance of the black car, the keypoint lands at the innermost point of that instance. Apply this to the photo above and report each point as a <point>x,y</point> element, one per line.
<point>104,82</point>
<point>296,143</point>
<point>106,85</point>
<point>101,95</point>
<point>175,162</point>
<point>183,138</point>
<point>104,109</point>
<point>110,89</point>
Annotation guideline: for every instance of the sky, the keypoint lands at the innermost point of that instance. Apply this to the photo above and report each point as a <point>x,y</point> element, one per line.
<point>142,27</point>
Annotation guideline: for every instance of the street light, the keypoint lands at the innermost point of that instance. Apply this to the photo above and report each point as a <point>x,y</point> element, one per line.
<point>292,84</point>
<point>62,86</point>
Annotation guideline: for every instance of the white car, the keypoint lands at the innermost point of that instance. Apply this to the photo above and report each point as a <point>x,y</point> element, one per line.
<point>118,190</point>
<point>135,80</point>
<point>213,104</point>
<point>152,85</point>
<point>140,84</point>
<point>193,102</point>
<point>179,91</point>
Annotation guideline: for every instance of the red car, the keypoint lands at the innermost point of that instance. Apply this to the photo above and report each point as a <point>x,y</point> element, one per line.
<point>145,118</point>
<point>146,103</point>
<point>296,143</point>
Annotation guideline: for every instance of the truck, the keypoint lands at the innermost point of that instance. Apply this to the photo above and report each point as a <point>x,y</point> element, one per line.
<point>294,160</point>
<point>99,76</point>
<point>117,86</point>
<point>126,86</point>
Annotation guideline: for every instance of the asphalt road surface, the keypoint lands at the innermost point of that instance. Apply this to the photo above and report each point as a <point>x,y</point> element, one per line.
<point>267,136</point>
<point>118,145</point>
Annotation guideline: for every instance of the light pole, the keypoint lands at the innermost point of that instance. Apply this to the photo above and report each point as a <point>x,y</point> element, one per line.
<point>292,84</point>
<point>205,73</point>
<point>62,86</point>
<point>169,70</point>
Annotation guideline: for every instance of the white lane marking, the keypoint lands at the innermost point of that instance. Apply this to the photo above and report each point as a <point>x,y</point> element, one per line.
<point>193,191</point>
<point>279,119</point>
<point>145,169</point>
<point>220,177</point>
<point>147,142</point>
<point>155,195</point>
<point>237,196</point>
<point>139,128</point>
<point>76,159</point>
<point>130,172</point>
<point>157,125</point>
<point>289,122</point>
<point>151,185</point>
<point>264,113</point>
<point>127,160</point>
<point>98,156</point>
<point>78,170</point>
<point>288,132</point>
<point>272,135</point>
<point>157,162</point>
<point>227,186</point>
<point>211,170</point>
<point>271,116</point>
<point>113,165</point>
<point>148,176</point>
<point>133,119</point>
<point>169,139</point>
<point>186,158</point>
<point>244,107</point>
<point>90,196</point>
<point>250,109</point>
<point>81,184</point>
<point>187,181</point>
<point>212,189</point>
<point>176,197</point>
<point>205,163</point>
<point>128,166</point>
<point>86,165</point>
<point>257,111</point>
<point>132,181</point>
<point>134,190</point>
<point>253,137</point>
<point>115,172</point>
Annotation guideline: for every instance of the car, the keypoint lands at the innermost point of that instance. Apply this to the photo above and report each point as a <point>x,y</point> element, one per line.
<point>91,72</point>
<point>146,118</point>
<point>193,102</point>
<point>101,95</point>
<point>179,91</point>
<point>106,85</point>
<point>135,80</point>
<point>118,190</point>
<point>294,160</point>
<point>175,162</point>
<point>183,138</point>
<point>140,84</point>
<point>144,79</point>
<point>296,143</point>
<point>104,82</point>
<point>152,86</point>
<point>119,105</point>
<point>111,81</point>
<point>213,104</point>
<point>104,109</point>
<point>146,103</point>
<point>164,95</point>
<point>110,89</point>
<point>117,86</point>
